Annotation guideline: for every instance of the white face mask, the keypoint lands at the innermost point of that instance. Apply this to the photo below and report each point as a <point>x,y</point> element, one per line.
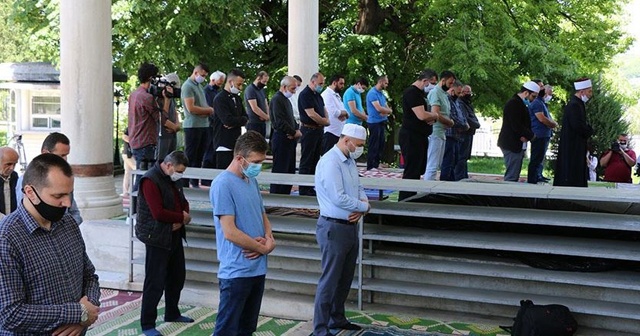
<point>429,88</point>
<point>288,94</point>
<point>359,90</point>
<point>176,176</point>
<point>547,99</point>
<point>234,89</point>
<point>584,98</point>
<point>357,153</point>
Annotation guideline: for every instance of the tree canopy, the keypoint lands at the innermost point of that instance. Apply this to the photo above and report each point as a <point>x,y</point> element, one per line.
<point>491,45</point>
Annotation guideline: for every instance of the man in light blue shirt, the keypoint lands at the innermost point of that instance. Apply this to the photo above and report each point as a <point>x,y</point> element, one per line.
<point>352,100</point>
<point>439,102</point>
<point>243,237</point>
<point>379,112</point>
<point>342,203</point>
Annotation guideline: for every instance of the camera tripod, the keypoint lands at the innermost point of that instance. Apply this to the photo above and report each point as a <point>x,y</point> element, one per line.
<point>16,139</point>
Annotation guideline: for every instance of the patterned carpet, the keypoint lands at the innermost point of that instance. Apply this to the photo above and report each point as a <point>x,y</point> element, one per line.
<point>120,315</point>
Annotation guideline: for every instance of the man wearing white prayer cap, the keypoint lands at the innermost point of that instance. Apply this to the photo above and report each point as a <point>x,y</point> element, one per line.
<point>571,167</point>
<point>516,129</point>
<point>342,203</point>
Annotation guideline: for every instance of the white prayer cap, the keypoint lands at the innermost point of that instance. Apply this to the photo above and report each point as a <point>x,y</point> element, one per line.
<point>585,84</point>
<point>531,86</point>
<point>172,78</point>
<point>354,131</point>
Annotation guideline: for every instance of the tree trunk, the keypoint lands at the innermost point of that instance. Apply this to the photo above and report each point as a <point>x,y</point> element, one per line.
<point>370,17</point>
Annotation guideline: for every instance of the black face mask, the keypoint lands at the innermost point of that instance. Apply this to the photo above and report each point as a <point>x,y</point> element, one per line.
<point>445,88</point>
<point>467,97</point>
<point>541,93</point>
<point>260,86</point>
<point>48,212</point>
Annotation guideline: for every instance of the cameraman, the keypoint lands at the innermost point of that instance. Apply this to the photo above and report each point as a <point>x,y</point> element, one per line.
<point>618,161</point>
<point>170,86</point>
<point>143,119</point>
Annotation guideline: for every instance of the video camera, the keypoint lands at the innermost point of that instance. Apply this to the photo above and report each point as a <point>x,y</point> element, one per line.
<point>160,84</point>
<point>615,146</point>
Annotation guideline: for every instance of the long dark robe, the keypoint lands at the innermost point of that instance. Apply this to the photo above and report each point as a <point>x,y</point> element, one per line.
<point>571,167</point>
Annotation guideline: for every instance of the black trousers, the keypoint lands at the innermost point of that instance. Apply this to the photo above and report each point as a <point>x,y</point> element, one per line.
<point>209,160</point>
<point>328,141</point>
<point>284,160</point>
<point>195,143</point>
<point>260,127</point>
<point>164,272</point>
<point>414,151</point>
<point>310,145</point>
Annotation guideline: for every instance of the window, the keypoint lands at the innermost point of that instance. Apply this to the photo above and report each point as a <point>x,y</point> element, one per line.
<point>45,112</point>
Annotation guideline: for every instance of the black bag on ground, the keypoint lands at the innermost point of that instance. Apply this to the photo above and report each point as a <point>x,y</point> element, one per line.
<point>542,320</point>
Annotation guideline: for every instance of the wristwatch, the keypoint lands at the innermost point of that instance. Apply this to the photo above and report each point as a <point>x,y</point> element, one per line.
<point>85,314</point>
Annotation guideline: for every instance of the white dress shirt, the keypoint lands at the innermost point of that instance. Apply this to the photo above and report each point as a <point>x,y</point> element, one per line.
<point>333,104</point>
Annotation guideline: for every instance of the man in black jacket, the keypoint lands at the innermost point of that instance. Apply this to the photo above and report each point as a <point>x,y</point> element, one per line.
<point>8,179</point>
<point>286,133</point>
<point>228,119</point>
<point>516,130</point>
<point>162,213</point>
<point>571,167</point>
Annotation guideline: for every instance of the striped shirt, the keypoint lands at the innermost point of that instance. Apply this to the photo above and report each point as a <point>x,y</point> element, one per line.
<point>143,119</point>
<point>45,273</point>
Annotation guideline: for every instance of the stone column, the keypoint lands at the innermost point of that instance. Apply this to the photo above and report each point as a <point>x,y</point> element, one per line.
<point>87,103</point>
<point>304,16</point>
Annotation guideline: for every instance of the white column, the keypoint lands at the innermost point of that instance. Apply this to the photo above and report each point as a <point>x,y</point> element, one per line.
<point>304,26</point>
<point>87,103</point>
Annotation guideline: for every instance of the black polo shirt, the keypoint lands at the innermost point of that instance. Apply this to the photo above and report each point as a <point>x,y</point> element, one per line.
<point>412,97</point>
<point>308,98</point>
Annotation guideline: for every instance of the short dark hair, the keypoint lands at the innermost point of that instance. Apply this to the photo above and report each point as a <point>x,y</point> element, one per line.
<point>147,71</point>
<point>428,74</point>
<point>298,78</point>
<point>202,66</point>
<point>381,78</point>
<point>446,74</point>
<point>362,81</point>
<point>262,73</point>
<point>537,81</point>
<point>39,168</point>
<point>251,141</point>
<point>457,83</point>
<point>176,158</point>
<point>235,73</point>
<point>336,78</point>
<point>54,138</point>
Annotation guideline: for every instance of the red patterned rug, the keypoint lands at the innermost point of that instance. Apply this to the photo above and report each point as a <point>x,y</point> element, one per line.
<point>114,303</point>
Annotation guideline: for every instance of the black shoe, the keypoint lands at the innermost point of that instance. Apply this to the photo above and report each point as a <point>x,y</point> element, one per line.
<point>349,326</point>
<point>544,179</point>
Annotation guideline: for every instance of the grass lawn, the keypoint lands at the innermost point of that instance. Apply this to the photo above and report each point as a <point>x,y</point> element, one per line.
<point>495,165</point>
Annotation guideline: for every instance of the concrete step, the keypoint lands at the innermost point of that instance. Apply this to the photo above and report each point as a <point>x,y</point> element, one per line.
<point>585,306</point>
<point>611,279</point>
<point>506,241</point>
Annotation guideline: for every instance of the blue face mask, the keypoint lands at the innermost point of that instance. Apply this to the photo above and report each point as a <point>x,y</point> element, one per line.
<point>252,170</point>
<point>319,88</point>
<point>526,102</point>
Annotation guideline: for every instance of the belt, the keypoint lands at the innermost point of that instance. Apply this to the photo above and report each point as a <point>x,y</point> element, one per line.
<point>339,221</point>
<point>312,126</point>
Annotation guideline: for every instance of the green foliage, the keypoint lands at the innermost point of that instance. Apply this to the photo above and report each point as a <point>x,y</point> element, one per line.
<point>605,113</point>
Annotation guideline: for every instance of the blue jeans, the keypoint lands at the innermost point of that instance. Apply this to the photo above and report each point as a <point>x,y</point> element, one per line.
<point>376,144</point>
<point>538,150</point>
<point>435,152</point>
<point>240,300</point>
<point>450,158</point>
<point>145,159</point>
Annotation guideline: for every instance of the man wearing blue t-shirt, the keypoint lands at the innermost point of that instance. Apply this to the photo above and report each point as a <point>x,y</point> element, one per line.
<point>243,237</point>
<point>377,121</point>
<point>541,124</point>
<point>352,100</point>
